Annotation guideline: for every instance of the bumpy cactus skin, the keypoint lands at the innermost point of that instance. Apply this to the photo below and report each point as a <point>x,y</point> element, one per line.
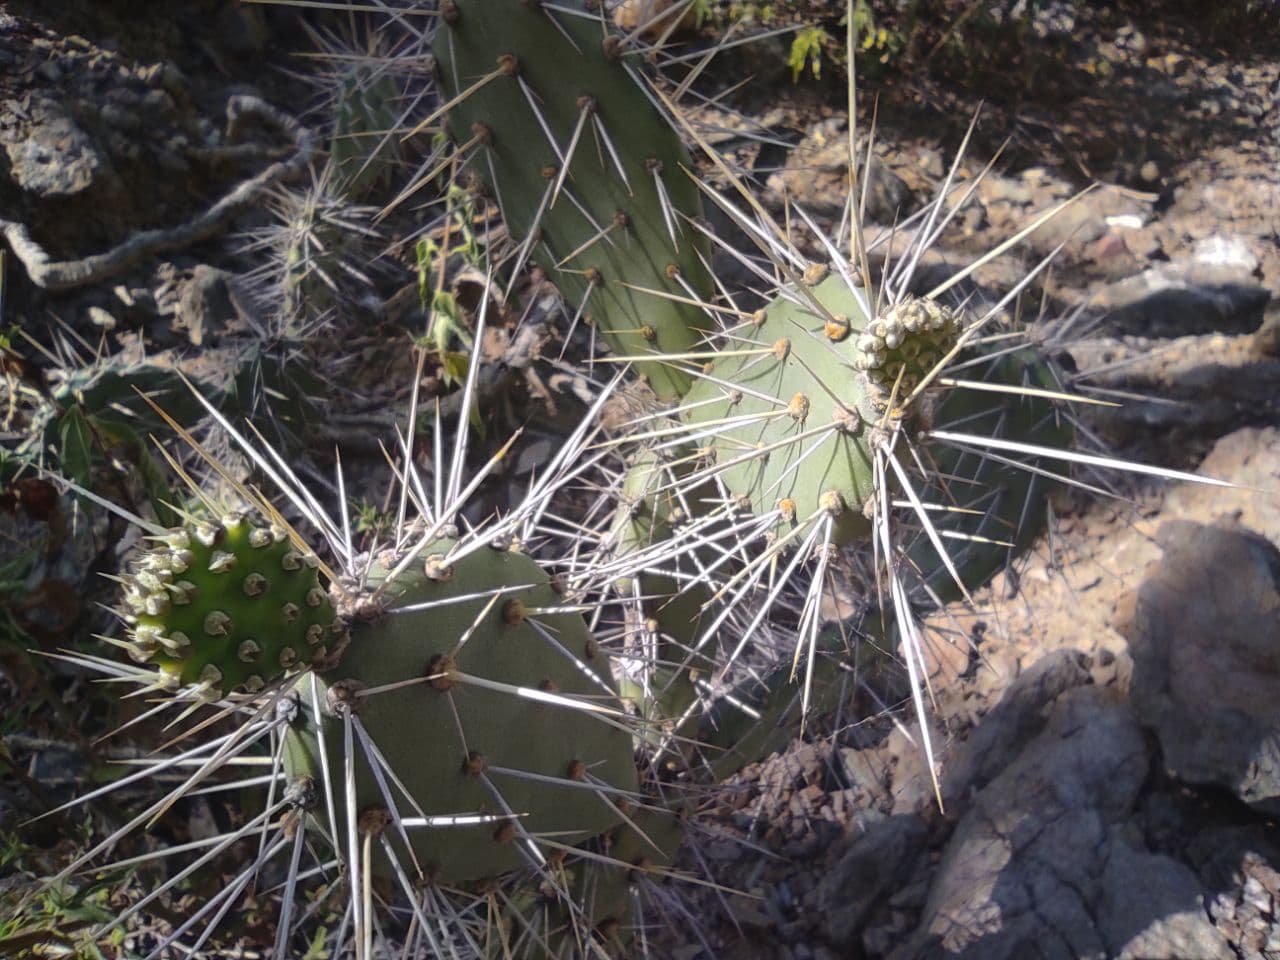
<point>473,737</point>
<point>563,80</point>
<point>900,348</point>
<point>228,605</point>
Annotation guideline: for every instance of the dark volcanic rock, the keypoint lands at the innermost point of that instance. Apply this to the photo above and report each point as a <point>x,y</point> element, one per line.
<point>1206,651</point>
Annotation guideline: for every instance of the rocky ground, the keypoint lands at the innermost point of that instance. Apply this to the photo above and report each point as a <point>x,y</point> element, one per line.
<point>1107,716</point>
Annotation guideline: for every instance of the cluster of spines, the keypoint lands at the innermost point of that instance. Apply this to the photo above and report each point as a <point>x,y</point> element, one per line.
<point>228,605</point>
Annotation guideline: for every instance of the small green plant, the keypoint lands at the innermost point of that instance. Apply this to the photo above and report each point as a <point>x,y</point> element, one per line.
<point>53,921</point>
<point>373,521</point>
<point>806,50</point>
<point>445,325</point>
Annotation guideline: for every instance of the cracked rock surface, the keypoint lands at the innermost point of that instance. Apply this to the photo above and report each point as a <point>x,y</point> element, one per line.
<point>1042,855</point>
<point>1205,643</point>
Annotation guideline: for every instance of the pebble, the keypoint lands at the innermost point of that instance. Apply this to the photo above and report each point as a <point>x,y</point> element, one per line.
<point>102,319</point>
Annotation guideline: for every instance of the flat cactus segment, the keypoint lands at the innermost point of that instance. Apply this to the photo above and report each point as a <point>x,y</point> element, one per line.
<point>363,146</point>
<point>668,599</point>
<point>600,886</point>
<point>998,507</point>
<point>793,412</point>
<point>513,724</point>
<point>610,233</point>
<point>228,605</point>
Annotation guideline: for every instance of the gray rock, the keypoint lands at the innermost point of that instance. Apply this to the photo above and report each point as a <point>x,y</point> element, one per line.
<point>49,71</point>
<point>1207,384</point>
<point>1225,251</point>
<point>1019,716</point>
<point>1267,337</point>
<point>1020,875</point>
<point>1012,202</point>
<point>56,158</point>
<point>1212,292</point>
<point>210,304</point>
<point>875,866</point>
<point>1205,640</point>
<point>101,318</point>
<point>816,177</point>
<point>1152,908</point>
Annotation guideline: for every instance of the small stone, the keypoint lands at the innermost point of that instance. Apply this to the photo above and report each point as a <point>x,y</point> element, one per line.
<point>1206,659</point>
<point>102,319</point>
<point>57,159</point>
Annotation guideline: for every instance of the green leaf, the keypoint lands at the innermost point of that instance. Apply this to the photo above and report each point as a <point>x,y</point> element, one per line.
<point>75,446</point>
<point>806,48</point>
<point>317,951</point>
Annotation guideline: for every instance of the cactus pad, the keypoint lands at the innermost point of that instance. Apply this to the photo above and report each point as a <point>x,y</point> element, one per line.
<point>800,410</point>
<point>610,231</point>
<point>795,411</point>
<point>1000,510</point>
<point>228,605</point>
<point>511,731</point>
<point>363,147</point>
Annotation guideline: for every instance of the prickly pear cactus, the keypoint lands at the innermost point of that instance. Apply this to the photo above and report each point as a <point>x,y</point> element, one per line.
<point>228,605</point>
<point>590,177</point>
<point>792,425</point>
<point>997,505</point>
<point>496,713</point>
<point>364,143</point>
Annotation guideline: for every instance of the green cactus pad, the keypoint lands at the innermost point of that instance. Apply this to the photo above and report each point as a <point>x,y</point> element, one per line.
<point>363,147</point>
<point>476,737</point>
<point>675,604</point>
<point>601,889</point>
<point>228,605</point>
<point>557,74</point>
<point>798,415</point>
<point>800,412</point>
<point>1000,505</point>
